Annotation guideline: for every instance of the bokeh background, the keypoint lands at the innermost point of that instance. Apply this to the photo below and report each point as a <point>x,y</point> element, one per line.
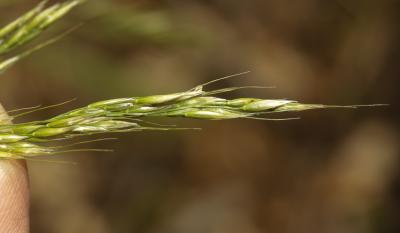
<point>332,171</point>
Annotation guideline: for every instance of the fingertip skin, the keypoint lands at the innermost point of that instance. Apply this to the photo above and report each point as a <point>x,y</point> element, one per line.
<point>14,197</point>
<point>14,192</point>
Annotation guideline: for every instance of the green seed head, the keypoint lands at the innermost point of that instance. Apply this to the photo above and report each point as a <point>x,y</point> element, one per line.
<point>25,129</point>
<point>294,107</point>
<point>22,145</point>
<point>213,114</point>
<point>162,99</point>
<point>8,138</point>
<point>240,102</point>
<point>65,122</point>
<point>21,20</point>
<point>142,109</point>
<point>58,12</point>
<point>32,151</point>
<point>121,115</point>
<point>27,148</point>
<point>203,101</point>
<point>113,124</point>
<point>264,105</point>
<point>88,129</point>
<point>106,103</point>
<point>50,132</point>
<point>93,120</point>
<point>118,107</point>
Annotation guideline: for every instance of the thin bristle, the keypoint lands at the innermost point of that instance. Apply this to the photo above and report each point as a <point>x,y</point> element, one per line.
<point>230,89</point>
<point>39,108</point>
<point>225,77</point>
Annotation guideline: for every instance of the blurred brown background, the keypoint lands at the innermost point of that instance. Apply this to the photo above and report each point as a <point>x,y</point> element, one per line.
<point>332,171</point>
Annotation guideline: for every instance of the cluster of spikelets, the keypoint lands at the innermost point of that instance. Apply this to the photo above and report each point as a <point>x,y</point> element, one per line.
<point>28,26</point>
<point>126,114</point>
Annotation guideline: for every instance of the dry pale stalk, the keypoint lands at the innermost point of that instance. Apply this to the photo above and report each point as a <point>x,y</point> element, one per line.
<point>14,192</point>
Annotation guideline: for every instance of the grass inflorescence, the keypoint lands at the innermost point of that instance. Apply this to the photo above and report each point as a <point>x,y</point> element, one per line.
<point>126,115</point>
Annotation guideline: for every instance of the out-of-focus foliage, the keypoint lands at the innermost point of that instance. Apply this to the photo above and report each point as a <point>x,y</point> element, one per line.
<point>333,171</point>
<point>9,2</point>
